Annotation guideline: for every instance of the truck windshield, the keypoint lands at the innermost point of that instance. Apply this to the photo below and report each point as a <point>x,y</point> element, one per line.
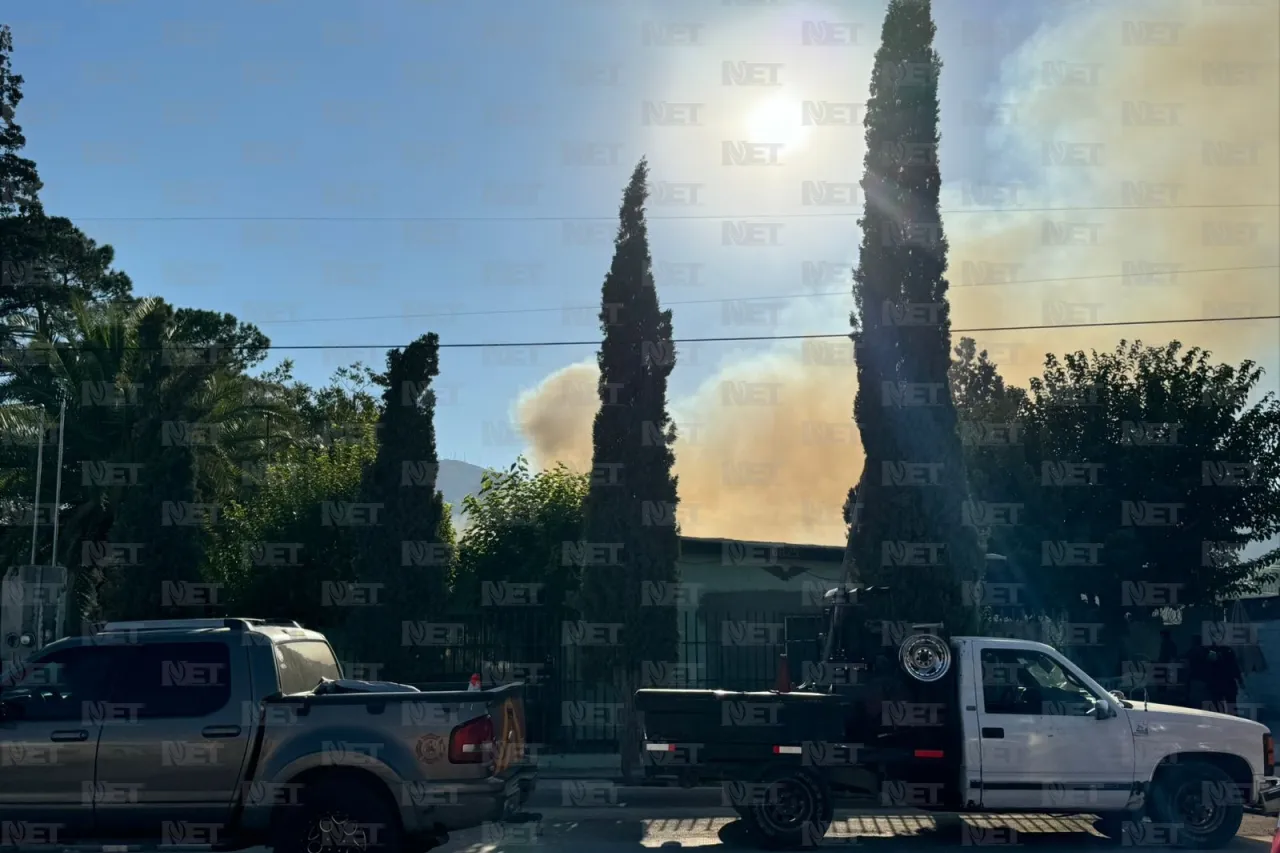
<point>303,664</point>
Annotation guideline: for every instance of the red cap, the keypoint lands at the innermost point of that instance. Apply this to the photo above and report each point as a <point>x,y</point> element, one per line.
<point>475,681</point>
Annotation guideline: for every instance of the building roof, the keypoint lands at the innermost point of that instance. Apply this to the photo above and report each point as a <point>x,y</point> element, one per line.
<point>735,551</point>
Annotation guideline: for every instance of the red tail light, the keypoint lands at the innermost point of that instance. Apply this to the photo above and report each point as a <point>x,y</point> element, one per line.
<point>1275,841</point>
<point>1268,754</point>
<point>472,742</point>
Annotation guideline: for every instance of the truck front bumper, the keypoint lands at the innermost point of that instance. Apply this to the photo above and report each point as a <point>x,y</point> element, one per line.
<point>1268,802</point>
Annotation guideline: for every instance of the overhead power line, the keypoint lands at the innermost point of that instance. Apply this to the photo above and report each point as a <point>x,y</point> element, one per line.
<point>744,338</point>
<point>687,216</point>
<point>820,293</point>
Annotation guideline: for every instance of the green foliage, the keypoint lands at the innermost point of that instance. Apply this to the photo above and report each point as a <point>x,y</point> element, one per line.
<point>19,181</point>
<point>153,442</point>
<point>905,512</point>
<point>273,551</point>
<point>632,463</point>
<point>993,441</point>
<point>405,554</point>
<point>1144,468</point>
<point>1161,458</point>
<point>517,528</point>
<point>47,265</point>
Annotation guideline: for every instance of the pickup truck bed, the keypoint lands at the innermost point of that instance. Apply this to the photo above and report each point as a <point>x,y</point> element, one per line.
<point>435,795</point>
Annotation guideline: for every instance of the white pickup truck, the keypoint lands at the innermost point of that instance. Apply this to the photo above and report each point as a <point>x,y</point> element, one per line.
<point>958,724</point>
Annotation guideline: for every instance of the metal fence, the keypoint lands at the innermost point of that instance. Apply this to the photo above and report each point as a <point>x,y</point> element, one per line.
<point>568,710</point>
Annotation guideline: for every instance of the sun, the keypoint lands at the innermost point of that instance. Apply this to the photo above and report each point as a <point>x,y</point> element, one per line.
<point>777,120</point>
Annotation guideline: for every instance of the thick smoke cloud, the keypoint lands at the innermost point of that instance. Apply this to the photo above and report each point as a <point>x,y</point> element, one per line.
<point>1116,105</point>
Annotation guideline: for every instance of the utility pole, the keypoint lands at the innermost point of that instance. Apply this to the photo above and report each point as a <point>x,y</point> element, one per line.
<point>60,575</point>
<point>26,589</point>
<point>35,507</point>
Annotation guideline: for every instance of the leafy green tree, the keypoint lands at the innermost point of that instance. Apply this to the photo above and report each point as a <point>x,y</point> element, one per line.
<point>47,265</point>
<point>272,551</point>
<point>905,511</point>
<point>517,526</point>
<point>1156,469</point>
<point>19,181</point>
<point>625,555</point>
<point>150,437</point>
<point>998,509</point>
<point>406,553</point>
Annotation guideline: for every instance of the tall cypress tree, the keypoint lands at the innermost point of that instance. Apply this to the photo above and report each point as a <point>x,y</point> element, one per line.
<point>905,512</point>
<point>401,518</point>
<point>627,559</point>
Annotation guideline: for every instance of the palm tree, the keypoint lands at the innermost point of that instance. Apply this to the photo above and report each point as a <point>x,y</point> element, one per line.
<point>146,425</point>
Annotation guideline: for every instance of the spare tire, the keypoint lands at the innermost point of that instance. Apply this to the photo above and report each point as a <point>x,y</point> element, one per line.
<point>925,657</point>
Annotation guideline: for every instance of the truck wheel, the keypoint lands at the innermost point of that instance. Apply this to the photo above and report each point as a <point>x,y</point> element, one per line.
<point>1195,799</point>
<point>339,814</point>
<point>1114,825</point>
<point>797,812</point>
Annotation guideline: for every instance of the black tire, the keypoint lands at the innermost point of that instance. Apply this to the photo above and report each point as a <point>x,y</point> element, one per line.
<point>797,811</point>
<point>1198,800</point>
<point>339,813</point>
<point>1114,825</point>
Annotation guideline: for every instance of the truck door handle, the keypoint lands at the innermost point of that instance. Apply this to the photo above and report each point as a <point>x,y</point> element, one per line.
<point>221,731</point>
<point>69,736</point>
<point>993,734</point>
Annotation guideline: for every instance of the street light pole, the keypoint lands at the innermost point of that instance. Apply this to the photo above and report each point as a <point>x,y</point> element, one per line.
<point>35,511</point>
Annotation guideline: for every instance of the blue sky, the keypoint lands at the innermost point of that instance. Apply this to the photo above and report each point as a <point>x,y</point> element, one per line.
<point>228,151</point>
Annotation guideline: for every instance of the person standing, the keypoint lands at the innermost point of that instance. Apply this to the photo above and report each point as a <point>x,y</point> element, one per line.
<point>1227,679</point>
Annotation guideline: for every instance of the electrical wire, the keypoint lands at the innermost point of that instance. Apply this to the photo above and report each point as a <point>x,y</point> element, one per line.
<point>673,217</point>
<point>823,293</point>
<point>745,338</point>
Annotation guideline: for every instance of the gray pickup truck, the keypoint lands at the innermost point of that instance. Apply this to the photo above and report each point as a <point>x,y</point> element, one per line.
<point>212,732</point>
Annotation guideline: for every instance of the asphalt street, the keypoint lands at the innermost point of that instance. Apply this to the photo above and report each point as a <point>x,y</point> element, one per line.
<point>594,817</point>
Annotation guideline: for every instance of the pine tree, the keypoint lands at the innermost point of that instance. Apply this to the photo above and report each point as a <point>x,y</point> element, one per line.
<point>46,262</point>
<point>627,559</point>
<point>905,513</point>
<point>401,517</point>
<point>19,182</point>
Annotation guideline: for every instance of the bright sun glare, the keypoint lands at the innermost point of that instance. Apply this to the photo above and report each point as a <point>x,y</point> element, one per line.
<point>777,120</point>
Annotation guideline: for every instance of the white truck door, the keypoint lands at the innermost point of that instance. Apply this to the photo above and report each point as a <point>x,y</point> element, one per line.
<point>1041,743</point>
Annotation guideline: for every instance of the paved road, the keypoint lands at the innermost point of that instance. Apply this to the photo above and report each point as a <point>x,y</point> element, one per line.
<point>637,820</point>
<point>875,835</point>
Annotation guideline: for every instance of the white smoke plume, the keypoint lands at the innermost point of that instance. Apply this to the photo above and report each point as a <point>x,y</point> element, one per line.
<point>1116,105</point>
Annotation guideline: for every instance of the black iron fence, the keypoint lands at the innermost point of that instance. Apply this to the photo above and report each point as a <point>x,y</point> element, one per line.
<point>569,710</point>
